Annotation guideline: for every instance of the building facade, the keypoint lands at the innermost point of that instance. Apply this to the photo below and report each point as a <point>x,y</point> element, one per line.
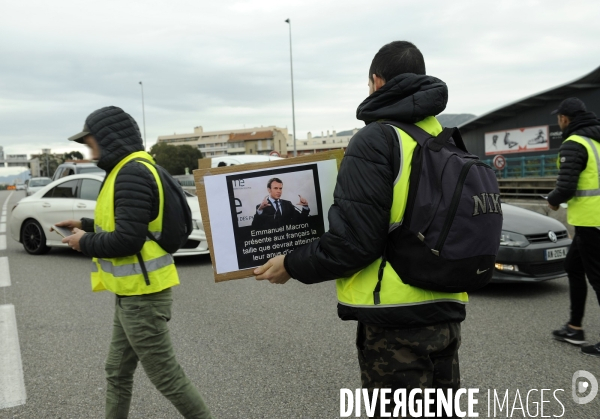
<point>526,128</point>
<point>324,142</point>
<point>13,160</point>
<point>259,140</point>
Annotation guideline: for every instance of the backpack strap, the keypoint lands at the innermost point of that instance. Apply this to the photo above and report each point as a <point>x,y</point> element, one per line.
<point>438,142</point>
<point>148,234</point>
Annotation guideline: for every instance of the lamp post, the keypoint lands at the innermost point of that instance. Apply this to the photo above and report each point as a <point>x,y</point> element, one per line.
<point>292,75</point>
<point>143,115</point>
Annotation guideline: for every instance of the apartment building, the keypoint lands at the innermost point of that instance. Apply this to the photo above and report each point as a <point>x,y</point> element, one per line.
<point>324,142</point>
<point>258,140</point>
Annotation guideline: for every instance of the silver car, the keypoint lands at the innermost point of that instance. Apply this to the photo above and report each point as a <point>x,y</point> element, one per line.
<point>35,184</point>
<point>533,247</point>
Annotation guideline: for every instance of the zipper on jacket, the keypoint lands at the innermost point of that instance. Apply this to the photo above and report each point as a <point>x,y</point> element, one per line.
<point>453,206</point>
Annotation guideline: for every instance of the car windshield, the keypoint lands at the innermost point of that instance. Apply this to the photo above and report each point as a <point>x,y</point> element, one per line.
<point>39,182</point>
<point>89,169</point>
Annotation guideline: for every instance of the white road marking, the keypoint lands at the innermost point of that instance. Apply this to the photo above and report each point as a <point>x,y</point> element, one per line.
<point>12,384</point>
<point>4,272</point>
<point>3,219</point>
<point>2,227</point>
<point>2,242</point>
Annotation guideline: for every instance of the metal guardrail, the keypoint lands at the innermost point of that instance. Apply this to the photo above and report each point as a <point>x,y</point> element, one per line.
<point>534,166</point>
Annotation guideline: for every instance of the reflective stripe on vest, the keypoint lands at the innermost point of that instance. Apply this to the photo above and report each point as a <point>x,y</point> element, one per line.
<point>156,234</point>
<point>125,275</point>
<point>357,290</point>
<point>135,268</point>
<point>583,207</point>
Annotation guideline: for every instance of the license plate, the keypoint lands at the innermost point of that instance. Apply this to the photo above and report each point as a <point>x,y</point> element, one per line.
<point>559,253</point>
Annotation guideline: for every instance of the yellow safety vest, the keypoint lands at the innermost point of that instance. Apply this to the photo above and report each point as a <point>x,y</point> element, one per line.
<point>584,207</point>
<point>357,290</point>
<point>124,275</point>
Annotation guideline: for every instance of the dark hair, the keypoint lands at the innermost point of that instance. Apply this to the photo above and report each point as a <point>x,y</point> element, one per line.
<point>275,179</point>
<point>398,57</point>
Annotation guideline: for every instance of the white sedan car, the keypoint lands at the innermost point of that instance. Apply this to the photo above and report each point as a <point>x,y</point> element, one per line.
<point>74,197</point>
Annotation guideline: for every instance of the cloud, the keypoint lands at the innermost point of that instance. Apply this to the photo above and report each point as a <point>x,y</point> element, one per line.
<point>226,64</point>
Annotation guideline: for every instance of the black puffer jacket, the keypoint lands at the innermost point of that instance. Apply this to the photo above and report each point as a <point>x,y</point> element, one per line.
<point>136,191</point>
<point>359,218</point>
<point>573,157</point>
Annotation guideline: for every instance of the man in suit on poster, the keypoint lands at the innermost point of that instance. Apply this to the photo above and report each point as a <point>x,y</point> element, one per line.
<point>274,212</point>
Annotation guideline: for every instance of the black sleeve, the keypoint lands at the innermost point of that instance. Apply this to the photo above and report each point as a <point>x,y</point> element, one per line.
<point>87,225</point>
<point>573,159</point>
<point>359,218</point>
<point>136,204</point>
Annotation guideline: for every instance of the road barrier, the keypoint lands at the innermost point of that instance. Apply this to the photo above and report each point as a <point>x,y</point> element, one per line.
<point>522,167</point>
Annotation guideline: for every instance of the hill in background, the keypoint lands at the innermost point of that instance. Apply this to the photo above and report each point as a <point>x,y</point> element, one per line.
<point>447,120</point>
<point>454,119</point>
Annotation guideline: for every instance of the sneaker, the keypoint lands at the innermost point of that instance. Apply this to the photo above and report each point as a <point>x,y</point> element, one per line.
<point>592,350</point>
<point>570,335</point>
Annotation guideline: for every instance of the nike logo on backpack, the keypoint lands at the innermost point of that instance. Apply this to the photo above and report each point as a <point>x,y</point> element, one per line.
<point>480,272</point>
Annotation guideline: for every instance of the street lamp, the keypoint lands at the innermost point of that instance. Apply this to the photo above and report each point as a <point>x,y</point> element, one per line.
<point>292,74</point>
<point>143,115</point>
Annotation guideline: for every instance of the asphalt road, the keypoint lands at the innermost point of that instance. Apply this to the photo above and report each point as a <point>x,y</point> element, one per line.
<point>257,350</point>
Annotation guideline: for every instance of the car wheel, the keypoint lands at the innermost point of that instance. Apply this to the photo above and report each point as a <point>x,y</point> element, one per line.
<point>33,238</point>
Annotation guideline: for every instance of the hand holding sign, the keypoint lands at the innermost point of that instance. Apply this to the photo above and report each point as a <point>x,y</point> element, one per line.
<point>303,201</point>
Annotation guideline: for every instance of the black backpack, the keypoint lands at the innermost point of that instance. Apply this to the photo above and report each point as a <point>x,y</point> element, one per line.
<point>450,233</point>
<point>177,216</point>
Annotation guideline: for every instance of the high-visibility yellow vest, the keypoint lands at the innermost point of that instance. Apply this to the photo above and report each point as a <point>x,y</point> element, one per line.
<point>124,275</point>
<point>357,291</point>
<point>584,207</point>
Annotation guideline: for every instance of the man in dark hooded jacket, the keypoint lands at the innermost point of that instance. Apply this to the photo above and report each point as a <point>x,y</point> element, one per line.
<point>409,339</point>
<point>578,184</point>
<point>130,265</point>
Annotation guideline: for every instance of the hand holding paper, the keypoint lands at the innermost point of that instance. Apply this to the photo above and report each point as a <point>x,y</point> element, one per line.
<point>73,239</point>
<point>273,271</point>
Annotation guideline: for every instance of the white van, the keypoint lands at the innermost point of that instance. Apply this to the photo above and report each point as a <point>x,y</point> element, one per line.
<point>219,161</point>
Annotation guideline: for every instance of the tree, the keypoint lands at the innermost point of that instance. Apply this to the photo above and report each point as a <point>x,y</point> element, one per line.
<point>73,155</point>
<point>176,158</point>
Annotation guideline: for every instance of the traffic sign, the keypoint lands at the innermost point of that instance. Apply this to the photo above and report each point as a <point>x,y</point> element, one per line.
<point>275,153</point>
<point>499,162</point>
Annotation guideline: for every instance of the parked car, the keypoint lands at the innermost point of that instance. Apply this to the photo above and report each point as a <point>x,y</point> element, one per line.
<point>74,197</point>
<point>35,184</point>
<point>74,168</point>
<point>532,247</point>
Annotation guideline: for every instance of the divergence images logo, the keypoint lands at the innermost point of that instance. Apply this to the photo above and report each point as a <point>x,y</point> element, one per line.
<point>580,387</point>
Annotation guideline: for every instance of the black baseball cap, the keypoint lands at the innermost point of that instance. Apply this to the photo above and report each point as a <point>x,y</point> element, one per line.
<point>79,136</point>
<point>570,107</point>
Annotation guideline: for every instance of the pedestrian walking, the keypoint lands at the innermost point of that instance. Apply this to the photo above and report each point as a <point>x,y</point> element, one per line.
<point>131,265</point>
<point>578,185</point>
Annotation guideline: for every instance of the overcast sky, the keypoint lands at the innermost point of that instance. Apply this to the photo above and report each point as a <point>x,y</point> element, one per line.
<point>225,64</point>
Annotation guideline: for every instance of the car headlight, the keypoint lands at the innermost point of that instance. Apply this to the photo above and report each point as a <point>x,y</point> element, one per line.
<point>196,224</point>
<point>510,239</point>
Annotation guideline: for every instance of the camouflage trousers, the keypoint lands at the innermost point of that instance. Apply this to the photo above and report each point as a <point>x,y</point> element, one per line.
<point>425,357</point>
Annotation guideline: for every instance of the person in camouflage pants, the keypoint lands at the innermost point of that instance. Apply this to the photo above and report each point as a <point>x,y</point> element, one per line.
<point>389,359</point>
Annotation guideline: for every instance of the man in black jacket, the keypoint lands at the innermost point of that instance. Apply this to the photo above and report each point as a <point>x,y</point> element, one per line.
<point>577,179</point>
<point>273,212</point>
<point>411,339</point>
<point>134,268</point>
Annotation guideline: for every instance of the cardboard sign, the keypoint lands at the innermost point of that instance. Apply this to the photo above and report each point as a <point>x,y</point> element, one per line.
<point>256,211</point>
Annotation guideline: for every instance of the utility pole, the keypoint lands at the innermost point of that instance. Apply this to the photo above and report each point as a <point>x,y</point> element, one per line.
<point>292,75</point>
<point>143,115</point>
